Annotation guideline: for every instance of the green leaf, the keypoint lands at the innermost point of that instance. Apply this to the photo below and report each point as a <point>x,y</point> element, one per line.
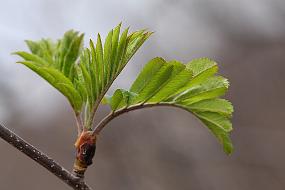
<point>222,136</point>
<point>156,83</point>
<point>180,77</point>
<point>106,62</point>
<point>121,98</point>
<point>212,87</point>
<point>81,89</point>
<point>116,99</point>
<point>108,55</point>
<point>55,62</point>
<point>148,72</point>
<point>45,49</point>
<point>215,119</point>
<point>33,58</point>
<point>95,69</point>
<point>72,54</point>
<point>84,75</point>
<point>87,81</point>
<point>59,81</point>
<point>202,66</point>
<point>202,69</point>
<point>99,58</point>
<point>135,42</point>
<point>69,50</point>
<point>115,41</point>
<point>192,87</point>
<point>220,106</point>
<point>121,51</point>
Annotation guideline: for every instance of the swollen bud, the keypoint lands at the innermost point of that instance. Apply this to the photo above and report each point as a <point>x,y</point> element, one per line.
<point>85,151</point>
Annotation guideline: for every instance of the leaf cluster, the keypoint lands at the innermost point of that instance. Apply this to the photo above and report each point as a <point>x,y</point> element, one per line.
<point>84,75</point>
<point>193,87</point>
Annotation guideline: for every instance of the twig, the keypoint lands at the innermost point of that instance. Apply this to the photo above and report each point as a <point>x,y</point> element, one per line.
<point>112,115</point>
<point>42,159</point>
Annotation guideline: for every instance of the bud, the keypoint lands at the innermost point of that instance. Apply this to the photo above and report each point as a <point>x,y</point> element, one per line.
<point>85,151</point>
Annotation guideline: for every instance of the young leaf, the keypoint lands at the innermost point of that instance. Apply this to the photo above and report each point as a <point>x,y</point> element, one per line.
<point>108,55</point>
<point>191,87</point>
<point>106,62</point>
<point>60,82</point>
<point>221,106</point>
<point>201,69</point>
<point>44,49</point>
<point>222,136</point>
<point>212,87</point>
<point>180,77</point>
<point>84,76</point>
<point>99,59</point>
<point>147,74</point>
<point>32,58</point>
<point>121,98</point>
<point>155,84</point>
<point>215,119</point>
<point>55,62</point>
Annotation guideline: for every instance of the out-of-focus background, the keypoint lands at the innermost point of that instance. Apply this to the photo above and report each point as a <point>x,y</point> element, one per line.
<point>159,148</point>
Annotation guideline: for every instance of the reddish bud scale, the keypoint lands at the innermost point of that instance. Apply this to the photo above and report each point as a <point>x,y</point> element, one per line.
<point>85,151</point>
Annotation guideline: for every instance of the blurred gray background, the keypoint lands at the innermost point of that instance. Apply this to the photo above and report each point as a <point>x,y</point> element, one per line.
<point>159,148</point>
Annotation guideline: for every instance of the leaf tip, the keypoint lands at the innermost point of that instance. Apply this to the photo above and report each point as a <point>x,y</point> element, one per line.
<point>228,149</point>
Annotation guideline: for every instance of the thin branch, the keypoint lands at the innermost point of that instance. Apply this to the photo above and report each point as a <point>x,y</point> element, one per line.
<point>115,114</point>
<point>42,159</point>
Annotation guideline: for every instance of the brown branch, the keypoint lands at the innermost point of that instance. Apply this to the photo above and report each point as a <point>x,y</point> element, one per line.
<point>42,159</point>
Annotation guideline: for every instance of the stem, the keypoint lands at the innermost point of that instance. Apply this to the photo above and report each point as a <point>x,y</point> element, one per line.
<point>79,123</point>
<point>112,115</point>
<point>42,159</point>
